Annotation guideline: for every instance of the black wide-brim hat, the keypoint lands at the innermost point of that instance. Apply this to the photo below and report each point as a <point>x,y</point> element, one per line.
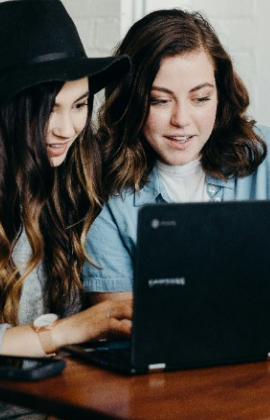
<point>39,43</point>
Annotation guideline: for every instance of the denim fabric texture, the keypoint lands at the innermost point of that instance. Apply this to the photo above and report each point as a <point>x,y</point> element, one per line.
<point>111,241</point>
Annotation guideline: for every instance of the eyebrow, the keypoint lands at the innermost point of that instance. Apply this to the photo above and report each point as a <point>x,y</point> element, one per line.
<point>85,95</point>
<point>201,86</point>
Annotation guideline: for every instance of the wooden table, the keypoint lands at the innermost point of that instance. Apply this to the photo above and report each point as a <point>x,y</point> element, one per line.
<point>82,391</point>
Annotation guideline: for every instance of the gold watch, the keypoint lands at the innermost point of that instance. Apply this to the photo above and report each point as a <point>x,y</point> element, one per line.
<point>43,326</point>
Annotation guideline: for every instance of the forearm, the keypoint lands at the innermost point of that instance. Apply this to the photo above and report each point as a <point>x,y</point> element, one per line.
<point>97,297</point>
<point>22,341</point>
<point>100,321</point>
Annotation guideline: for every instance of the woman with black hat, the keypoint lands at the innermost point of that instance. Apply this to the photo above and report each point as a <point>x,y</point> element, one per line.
<point>50,188</point>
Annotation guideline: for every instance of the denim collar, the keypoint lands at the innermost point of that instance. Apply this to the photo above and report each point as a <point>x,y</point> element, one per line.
<point>155,191</point>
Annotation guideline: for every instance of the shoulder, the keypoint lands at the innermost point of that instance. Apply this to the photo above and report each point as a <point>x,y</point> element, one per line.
<point>130,198</point>
<point>260,178</point>
<point>264,132</point>
<point>122,209</point>
<point>116,213</point>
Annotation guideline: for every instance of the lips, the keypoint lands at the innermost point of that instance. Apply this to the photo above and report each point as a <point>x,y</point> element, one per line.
<point>180,139</point>
<point>56,149</point>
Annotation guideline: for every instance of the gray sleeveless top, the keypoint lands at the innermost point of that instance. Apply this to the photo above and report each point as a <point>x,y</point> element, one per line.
<point>32,304</point>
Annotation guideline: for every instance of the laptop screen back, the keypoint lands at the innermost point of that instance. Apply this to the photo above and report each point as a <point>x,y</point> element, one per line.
<point>202,284</point>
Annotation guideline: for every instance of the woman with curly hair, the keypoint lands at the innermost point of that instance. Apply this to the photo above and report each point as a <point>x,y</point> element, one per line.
<point>175,129</point>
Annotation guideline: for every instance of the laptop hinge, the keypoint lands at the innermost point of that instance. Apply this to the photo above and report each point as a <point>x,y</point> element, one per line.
<point>157,367</point>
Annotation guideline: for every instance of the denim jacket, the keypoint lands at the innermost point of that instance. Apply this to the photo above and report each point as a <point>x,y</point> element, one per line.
<point>111,242</point>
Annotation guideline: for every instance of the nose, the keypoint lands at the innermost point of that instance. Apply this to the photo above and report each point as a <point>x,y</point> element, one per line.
<point>181,116</point>
<point>61,125</point>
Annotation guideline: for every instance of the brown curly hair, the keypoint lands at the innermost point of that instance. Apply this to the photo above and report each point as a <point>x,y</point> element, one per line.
<point>233,149</point>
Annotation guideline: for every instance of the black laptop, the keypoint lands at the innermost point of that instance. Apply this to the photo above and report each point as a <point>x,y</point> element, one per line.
<point>201,289</point>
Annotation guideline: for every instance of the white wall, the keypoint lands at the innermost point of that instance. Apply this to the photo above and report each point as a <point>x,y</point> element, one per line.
<point>243,27</point>
<point>98,22</point>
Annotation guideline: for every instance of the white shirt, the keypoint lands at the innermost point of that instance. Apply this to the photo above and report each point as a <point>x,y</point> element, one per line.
<point>184,183</point>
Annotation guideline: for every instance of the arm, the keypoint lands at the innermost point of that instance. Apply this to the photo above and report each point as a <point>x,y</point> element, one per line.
<point>111,245</point>
<point>98,297</point>
<point>100,321</point>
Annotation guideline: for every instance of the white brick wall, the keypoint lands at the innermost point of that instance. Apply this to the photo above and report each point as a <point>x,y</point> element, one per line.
<point>98,22</point>
<point>243,27</point>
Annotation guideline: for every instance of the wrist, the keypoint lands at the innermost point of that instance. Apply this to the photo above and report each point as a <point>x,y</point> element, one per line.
<point>43,326</point>
<point>61,333</point>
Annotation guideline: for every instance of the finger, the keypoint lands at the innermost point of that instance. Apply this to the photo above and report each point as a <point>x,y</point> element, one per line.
<point>120,309</point>
<point>120,328</point>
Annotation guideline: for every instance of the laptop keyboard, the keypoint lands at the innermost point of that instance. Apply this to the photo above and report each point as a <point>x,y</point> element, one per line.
<point>115,354</point>
<point>111,357</point>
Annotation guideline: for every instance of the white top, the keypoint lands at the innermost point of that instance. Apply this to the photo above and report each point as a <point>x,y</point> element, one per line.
<point>184,183</point>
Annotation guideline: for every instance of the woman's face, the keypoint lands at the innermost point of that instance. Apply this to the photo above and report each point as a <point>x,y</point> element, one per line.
<point>183,107</point>
<point>67,120</point>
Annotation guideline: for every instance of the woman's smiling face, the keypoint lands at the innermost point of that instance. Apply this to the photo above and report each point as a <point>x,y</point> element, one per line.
<point>67,120</point>
<point>183,107</point>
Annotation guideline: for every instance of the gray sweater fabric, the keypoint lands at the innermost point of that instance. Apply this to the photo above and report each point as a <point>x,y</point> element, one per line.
<point>32,304</point>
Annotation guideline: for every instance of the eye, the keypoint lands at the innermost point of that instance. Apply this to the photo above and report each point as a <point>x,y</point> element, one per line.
<point>157,101</point>
<point>81,105</point>
<point>202,100</point>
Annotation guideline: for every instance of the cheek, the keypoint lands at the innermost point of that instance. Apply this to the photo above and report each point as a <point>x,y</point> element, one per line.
<point>212,117</point>
<point>208,118</point>
<point>51,124</point>
<point>153,124</point>
<point>81,122</point>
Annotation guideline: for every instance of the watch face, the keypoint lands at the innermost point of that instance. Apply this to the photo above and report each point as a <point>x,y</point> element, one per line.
<point>45,319</point>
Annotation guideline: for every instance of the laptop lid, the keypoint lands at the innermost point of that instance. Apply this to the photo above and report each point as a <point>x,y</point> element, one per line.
<point>202,285</point>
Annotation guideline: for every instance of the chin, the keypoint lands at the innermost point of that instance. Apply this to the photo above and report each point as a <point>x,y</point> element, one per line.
<point>184,160</point>
<point>57,161</point>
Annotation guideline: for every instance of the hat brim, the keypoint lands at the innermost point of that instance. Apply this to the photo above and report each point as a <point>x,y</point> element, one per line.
<point>101,72</point>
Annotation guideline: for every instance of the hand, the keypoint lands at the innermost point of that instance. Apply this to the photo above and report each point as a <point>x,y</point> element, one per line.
<point>104,320</point>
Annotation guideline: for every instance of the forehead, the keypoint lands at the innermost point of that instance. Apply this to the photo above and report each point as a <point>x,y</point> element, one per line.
<point>195,66</point>
<point>72,90</point>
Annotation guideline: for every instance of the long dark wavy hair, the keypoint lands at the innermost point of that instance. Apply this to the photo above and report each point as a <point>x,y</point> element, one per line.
<point>233,149</point>
<point>55,205</point>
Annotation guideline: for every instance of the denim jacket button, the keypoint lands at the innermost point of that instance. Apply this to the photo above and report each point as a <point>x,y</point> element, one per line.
<point>212,189</point>
<point>217,200</point>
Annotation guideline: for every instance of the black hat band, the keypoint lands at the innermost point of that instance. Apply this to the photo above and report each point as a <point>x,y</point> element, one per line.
<point>42,59</point>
